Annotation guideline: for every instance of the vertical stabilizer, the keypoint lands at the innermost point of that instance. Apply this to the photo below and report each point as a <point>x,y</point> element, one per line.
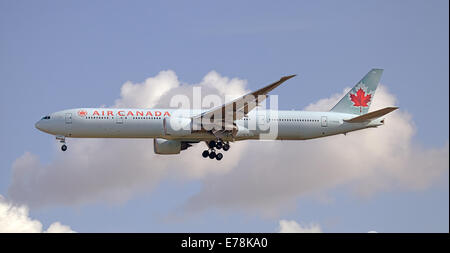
<point>358,99</point>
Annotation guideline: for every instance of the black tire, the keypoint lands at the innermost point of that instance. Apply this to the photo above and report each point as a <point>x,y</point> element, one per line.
<point>219,156</point>
<point>212,155</point>
<point>219,145</point>
<point>63,147</point>
<point>205,153</point>
<point>226,147</point>
<point>212,144</point>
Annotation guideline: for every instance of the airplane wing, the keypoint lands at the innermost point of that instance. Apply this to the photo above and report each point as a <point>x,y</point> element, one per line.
<point>239,107</point>
<point>371,115</point>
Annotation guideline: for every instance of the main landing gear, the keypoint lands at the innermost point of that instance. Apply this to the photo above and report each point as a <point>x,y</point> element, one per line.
<point>62,139</point>
<point>213,145</point>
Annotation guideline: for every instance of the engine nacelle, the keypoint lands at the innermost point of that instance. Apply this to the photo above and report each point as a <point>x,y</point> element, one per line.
<point>175,126</point>
<point>166,147</point>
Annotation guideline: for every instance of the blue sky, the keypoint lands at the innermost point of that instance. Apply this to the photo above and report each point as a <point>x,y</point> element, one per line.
<point>65,54</point>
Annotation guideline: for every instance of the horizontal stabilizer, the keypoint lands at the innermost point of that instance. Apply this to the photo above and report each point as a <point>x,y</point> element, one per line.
<point>371,115</point>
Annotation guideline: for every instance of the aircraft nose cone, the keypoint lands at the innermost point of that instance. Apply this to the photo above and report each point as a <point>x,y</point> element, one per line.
<point>38,125</point>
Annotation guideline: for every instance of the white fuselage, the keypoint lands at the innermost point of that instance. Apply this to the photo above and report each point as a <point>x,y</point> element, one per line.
<point>149,123</point>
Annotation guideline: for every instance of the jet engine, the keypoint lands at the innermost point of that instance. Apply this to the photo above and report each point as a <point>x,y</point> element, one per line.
<point>169,147</point>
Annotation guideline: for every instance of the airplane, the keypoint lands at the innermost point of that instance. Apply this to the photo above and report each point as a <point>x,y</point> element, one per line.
<point>236,120</point>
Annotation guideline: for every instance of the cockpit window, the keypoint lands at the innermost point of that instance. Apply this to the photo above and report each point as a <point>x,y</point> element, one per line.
<point>46,117</point>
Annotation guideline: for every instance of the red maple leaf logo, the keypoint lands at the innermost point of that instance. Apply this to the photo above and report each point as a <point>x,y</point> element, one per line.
<point>82,113</point>
<point>360,98</point>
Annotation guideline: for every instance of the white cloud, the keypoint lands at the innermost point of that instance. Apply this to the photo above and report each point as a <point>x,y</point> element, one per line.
<point>57,227</point>
<point>325,104</point>
<point>224,85</point>
<point>146,94</point>
<point>15,219</point>
<point>290,226</point>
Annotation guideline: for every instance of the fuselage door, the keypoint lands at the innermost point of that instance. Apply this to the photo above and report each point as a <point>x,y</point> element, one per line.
<point>119,120</point>
<point>324,121</point>
<point>68,124</point>
<point>68,118</point>
<point>262,121</point>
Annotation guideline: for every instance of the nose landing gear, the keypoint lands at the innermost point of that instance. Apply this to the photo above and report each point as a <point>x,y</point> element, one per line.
<point>62,139</point>
<point>211,152</point>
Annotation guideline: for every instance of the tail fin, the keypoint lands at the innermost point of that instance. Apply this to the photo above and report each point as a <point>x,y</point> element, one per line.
<point>358,99</point>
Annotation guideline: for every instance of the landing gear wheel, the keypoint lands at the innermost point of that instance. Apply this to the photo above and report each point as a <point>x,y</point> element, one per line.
<point>205,153</point>
<point>226,147</point>
<point>212,155</point>
<point>212,144</point>
<point>219,145</point>
<point>64,147</point>
<point>219,156</point>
